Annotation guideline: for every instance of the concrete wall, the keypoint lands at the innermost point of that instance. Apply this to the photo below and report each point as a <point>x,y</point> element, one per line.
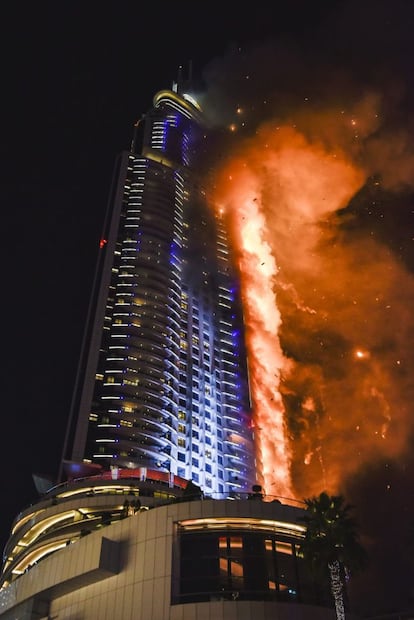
<point>123,572</point>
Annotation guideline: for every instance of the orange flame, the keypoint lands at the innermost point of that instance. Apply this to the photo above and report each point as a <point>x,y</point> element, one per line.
<point>277,174</point>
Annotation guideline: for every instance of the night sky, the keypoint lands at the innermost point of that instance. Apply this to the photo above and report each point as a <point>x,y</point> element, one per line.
<point>76,76</point>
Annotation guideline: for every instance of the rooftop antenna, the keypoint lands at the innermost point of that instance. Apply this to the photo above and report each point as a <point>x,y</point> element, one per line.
<point>179,83</point>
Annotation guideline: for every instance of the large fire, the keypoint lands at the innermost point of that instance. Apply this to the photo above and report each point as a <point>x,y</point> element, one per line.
<point>304,298</point>
<point>317,181</point>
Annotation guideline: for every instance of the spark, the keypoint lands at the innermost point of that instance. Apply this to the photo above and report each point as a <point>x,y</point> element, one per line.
<point>361,354</point>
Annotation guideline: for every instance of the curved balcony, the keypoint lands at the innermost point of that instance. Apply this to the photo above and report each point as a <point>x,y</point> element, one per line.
<point>73,509</point>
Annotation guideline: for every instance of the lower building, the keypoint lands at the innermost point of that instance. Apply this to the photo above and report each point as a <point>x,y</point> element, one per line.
<point>141,544</point>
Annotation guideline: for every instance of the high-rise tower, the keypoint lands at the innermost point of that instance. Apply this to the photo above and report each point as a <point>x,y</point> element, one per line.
<point>161,401</point>
<point>163,379</point>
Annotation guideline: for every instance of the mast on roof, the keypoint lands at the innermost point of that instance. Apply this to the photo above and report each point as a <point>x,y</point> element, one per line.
<point>182,83</point>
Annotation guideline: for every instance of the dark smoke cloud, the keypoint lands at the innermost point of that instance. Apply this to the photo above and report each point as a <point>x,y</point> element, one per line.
<point>345,287</point>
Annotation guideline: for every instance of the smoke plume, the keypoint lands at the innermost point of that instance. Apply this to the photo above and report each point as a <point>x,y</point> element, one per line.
<point>317,183</point>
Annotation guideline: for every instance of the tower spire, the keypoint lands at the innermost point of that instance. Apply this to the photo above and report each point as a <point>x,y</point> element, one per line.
<point>182,82</point>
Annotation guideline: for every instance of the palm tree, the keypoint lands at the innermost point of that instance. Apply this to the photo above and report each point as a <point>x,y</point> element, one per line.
<point>331,545</point>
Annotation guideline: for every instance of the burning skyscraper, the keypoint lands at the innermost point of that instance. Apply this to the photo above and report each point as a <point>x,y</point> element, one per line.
<point>153,510</point>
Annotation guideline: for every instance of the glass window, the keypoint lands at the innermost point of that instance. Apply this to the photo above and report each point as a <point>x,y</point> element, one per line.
<point>235,565</point>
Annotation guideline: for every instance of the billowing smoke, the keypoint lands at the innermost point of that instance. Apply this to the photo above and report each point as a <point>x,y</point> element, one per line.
<point>317,183</point>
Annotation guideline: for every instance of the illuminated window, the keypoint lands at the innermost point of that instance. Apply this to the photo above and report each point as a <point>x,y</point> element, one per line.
<point>239,565</point>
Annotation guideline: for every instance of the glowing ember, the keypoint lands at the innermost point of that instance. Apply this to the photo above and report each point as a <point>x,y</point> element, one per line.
<point>361,355</point>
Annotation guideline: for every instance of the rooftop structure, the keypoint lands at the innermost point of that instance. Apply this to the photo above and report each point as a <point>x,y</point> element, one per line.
<point>139,544</point>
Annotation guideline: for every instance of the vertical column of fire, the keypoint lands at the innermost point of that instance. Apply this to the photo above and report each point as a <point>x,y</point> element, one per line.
<point>276,190</point>
<point>258,270</point>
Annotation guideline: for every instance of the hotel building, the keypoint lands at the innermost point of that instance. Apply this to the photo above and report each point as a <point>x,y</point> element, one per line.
<point>163,378</point>
<point>156,514</point>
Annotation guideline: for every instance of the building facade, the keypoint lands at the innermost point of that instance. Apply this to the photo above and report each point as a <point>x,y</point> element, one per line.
<point>129,548</point>
<point>163,381</point>
<point>159,517</point>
